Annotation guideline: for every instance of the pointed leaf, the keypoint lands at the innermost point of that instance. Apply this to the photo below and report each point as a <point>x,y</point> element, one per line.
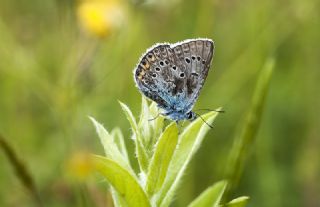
<point>189,142</point>
<point>161,158</point>
<point>140,150</point>
<point>118,139</point>
<point>145,128</point>
<point>110,148</point>
<point>122,181</point>
<point>211,196</point>
<point>157,124</point>
<point>130,117</point>
<point>118,200</point>
<point>238,202</point>
<point>144,125</point>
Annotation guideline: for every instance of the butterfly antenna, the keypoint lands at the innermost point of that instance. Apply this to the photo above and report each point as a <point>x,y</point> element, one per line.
<point>219,111</point>
<point>204,120</point>
<point>154,117</point>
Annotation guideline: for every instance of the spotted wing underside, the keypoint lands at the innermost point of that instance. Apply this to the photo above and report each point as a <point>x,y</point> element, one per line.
<point>173,75</point>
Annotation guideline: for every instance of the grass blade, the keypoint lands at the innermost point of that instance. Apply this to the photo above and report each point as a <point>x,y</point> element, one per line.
<point>20,169</point>
<point>245,139</point>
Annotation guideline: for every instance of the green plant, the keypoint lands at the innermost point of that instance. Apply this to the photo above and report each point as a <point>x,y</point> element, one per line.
<point>244,139</point>
<point>163,155</point>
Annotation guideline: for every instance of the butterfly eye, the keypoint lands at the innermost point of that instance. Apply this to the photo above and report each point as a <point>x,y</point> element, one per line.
<point>149,56</point>
<point>166,62</point>
<point>161,63</point>
<point>193,57</point>
<point>190,115</point>
<point>174,67</point>
<point>181,75</point>
<point>143,62</point>
<point>154,75</point>
<point>157,69</point>
<point>203,61</point>
<point>198,58</point>
<point>187,60</point>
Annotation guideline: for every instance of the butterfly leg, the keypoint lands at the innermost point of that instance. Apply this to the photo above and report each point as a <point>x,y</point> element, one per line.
<point>162,114</point>
<point>154,117</point>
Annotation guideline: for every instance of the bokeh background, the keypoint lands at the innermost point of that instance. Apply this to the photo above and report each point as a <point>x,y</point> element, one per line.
<point>62,60</point>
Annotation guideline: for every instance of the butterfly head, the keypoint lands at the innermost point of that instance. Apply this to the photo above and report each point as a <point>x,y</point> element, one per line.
<point>178,115</point>
<point>191,116</point>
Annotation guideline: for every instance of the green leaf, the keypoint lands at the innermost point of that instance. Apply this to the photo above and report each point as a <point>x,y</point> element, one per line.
<point>144,124</point>
<point>123,182</point>
<point>130,117</point>
<point>161,158</point>
<point>157,123</point>
<point>189,142</point>
<point>238,202</point>
<point>111,149</point>
<point>211,197</point>
<point>118,200</point>
<point>150,125</point>
<point>118,139</point>
<point>245,138</point>
<point>140,150</point>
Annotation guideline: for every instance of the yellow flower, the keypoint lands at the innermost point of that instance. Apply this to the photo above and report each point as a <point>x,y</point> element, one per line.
<point>101,17</point>
<point>79,165</point>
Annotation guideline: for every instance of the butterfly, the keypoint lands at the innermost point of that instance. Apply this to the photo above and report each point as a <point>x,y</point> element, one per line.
<point>172,75</point>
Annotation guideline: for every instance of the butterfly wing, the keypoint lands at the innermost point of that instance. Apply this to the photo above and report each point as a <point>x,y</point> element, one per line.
<point>195,58</point>
<point>154,75</point>
<point>172,75</point>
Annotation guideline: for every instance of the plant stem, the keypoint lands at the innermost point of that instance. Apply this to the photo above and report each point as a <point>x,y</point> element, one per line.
<point>20,170</point>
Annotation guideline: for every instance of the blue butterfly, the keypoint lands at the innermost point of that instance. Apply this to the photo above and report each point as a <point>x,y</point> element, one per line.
<point>172,75</point>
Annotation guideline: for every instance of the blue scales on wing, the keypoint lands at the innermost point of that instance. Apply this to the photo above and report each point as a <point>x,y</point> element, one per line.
<point>172,75</point>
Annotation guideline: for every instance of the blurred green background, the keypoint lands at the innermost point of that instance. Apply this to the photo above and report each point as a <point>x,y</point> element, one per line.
<point>57,67</point>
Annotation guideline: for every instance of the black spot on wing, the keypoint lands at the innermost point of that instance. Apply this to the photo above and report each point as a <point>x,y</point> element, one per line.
<point>179,85</point>
<point>189,86</point>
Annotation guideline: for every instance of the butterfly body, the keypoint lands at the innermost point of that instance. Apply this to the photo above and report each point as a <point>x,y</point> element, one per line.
<point>172,75</point>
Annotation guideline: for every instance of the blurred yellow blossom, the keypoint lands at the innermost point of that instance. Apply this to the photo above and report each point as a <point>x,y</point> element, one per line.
<point>101,17</point>
<point>80,165</point>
